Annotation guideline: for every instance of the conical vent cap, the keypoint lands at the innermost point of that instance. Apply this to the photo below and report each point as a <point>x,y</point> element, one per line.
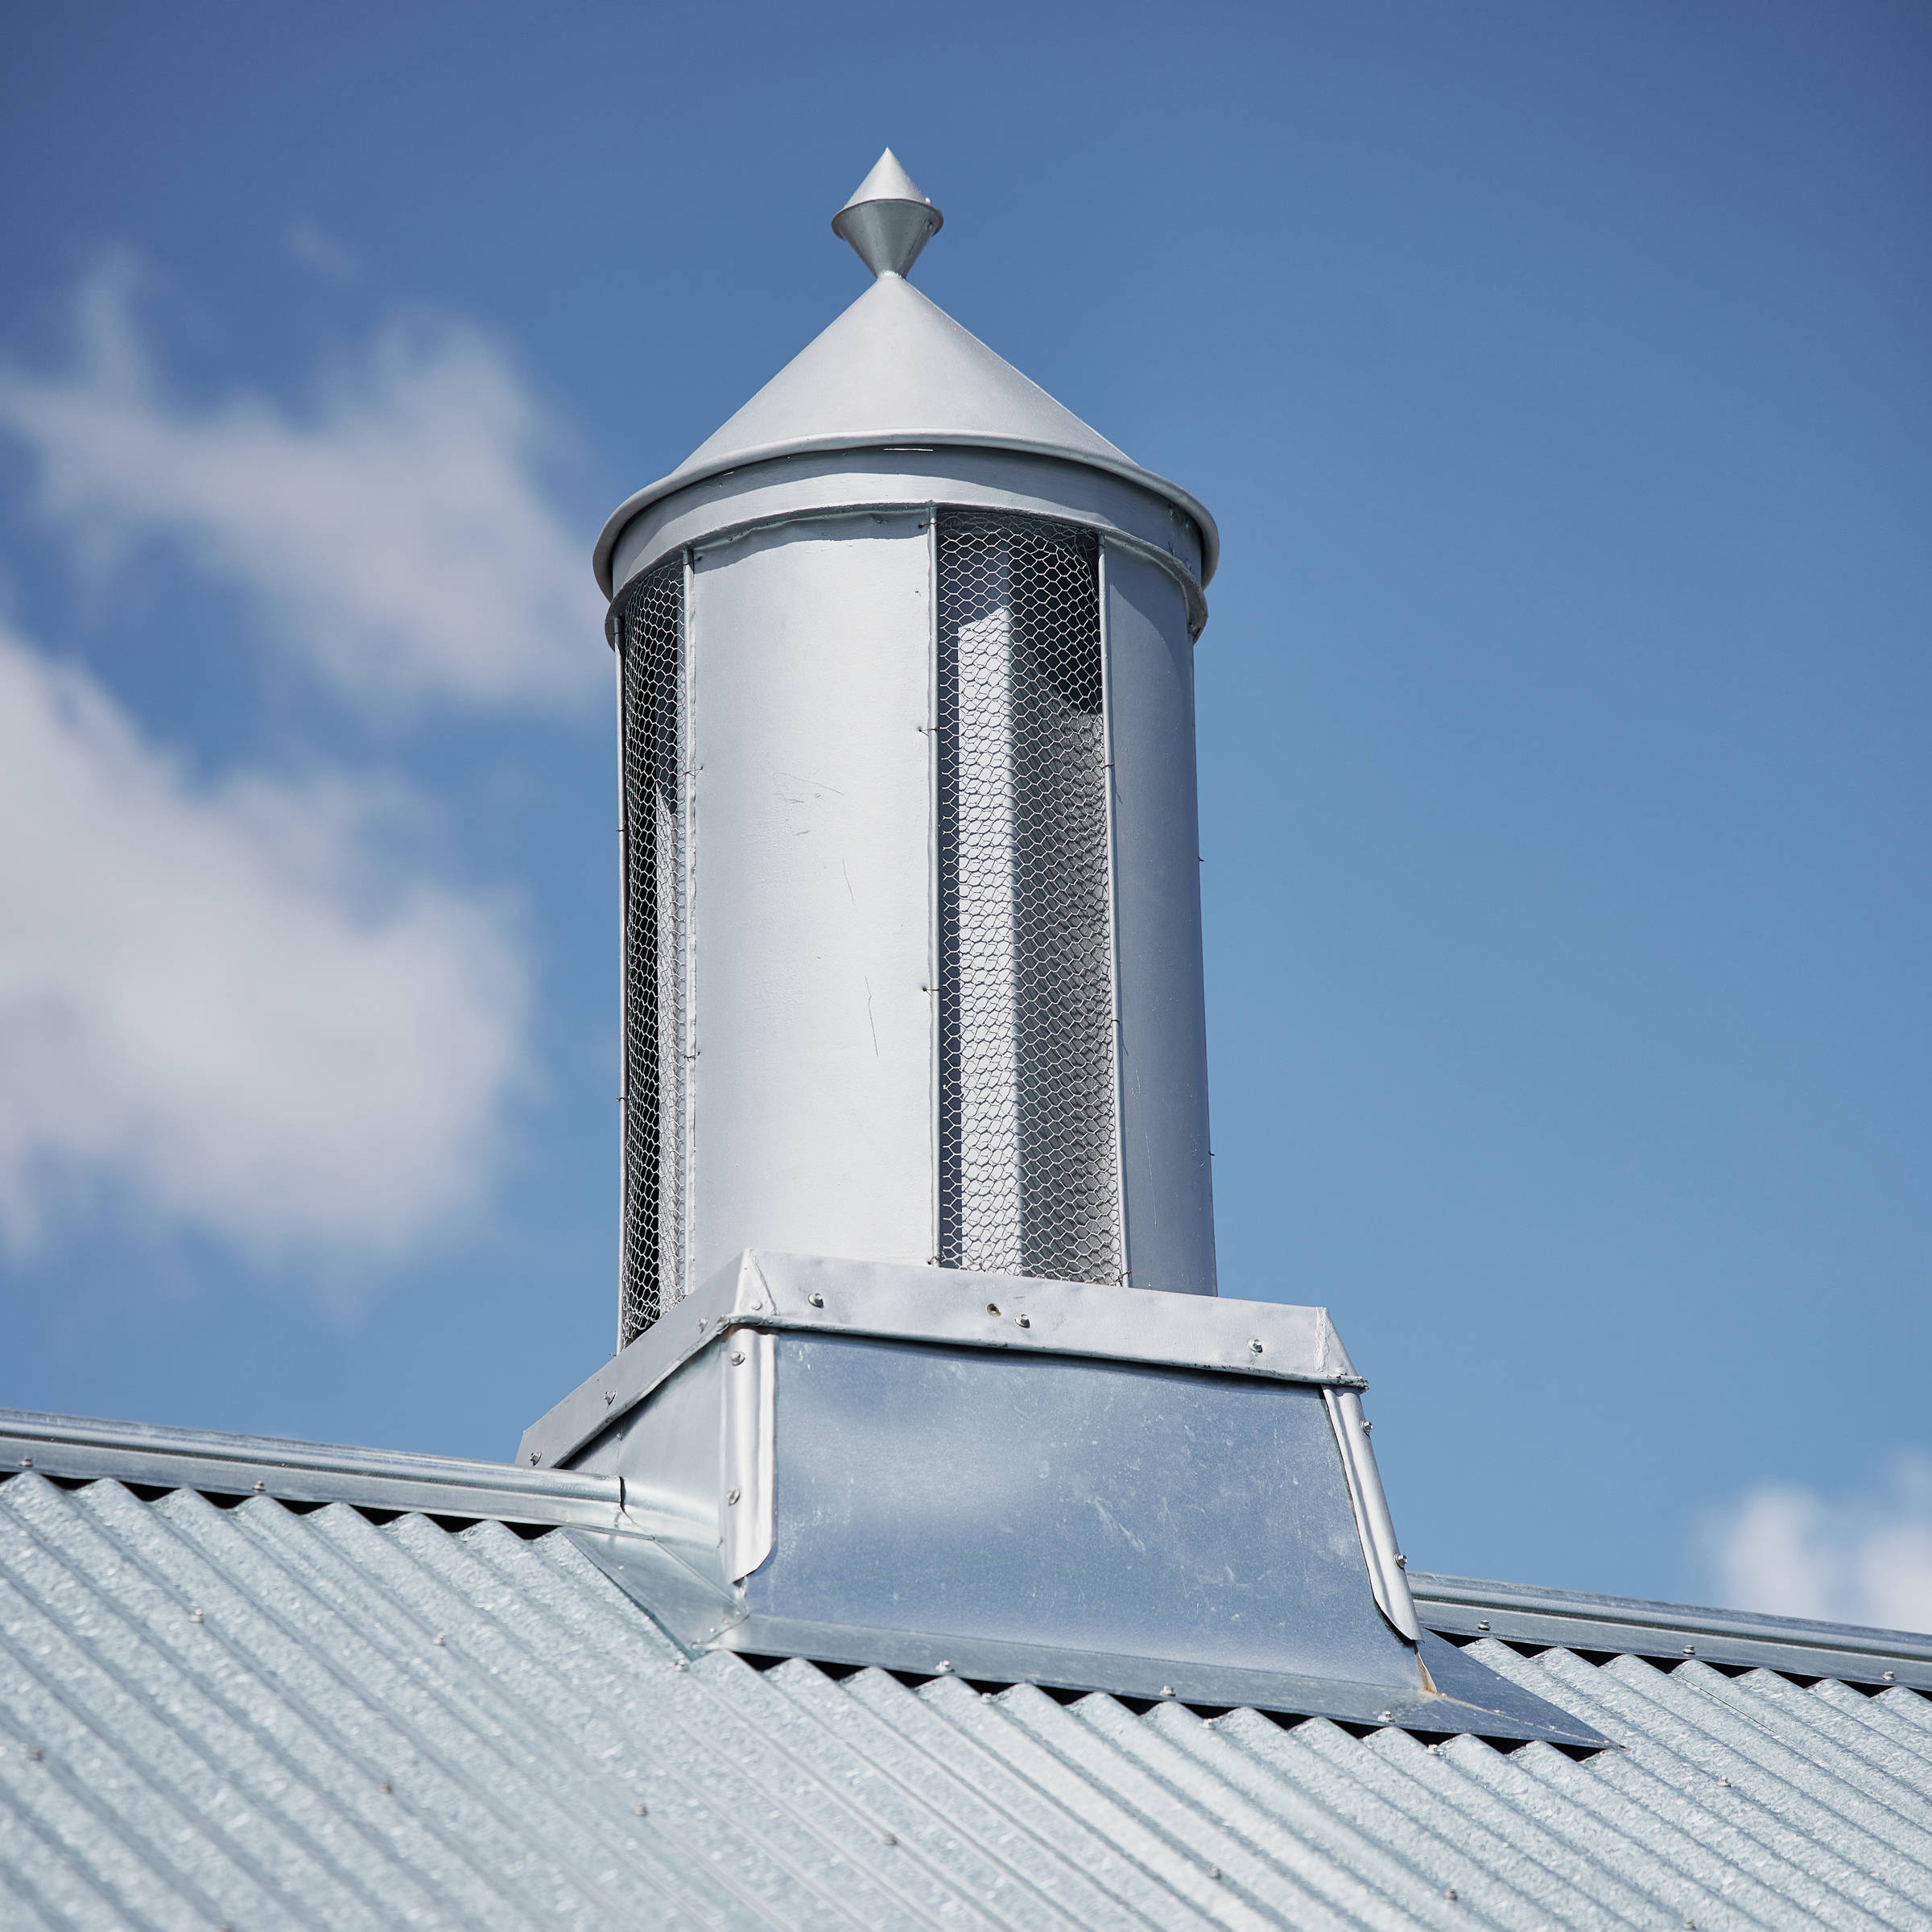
<point>896,369</point>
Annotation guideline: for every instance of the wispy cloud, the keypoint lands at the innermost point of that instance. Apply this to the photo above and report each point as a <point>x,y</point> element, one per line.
<point>224,1000</point>
<point>1855,1560</point>
<point>321,253</point>
<point>395,534</point>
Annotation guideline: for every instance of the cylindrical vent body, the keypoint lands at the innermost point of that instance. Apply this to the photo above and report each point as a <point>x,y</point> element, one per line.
<point>912,925</point>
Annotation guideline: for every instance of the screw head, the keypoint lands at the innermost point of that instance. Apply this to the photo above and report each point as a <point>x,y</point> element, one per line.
<point>1382,1717</point>
<point>259,1488</point>
<point>1482,1623</point>
<point>1890,1675</point>
<point>194,1616</point>
<point>641,1810</point>
<point>737,1358</point>
<point>1255,1346</point>
<point>1166,1690</point>
<point>1023,1321</point>
<point>33,1754</point>
<point>1689,1649</point>
<point>817,1301</point>
<point>26,1462</point>
<point>943,1667</point>
<point>610,1395</point>
<point>438,1639</point>
<point>734,1496</point>
<point>387,1785</point>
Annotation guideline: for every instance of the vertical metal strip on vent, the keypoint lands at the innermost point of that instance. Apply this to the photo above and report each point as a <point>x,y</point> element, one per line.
<point>650,639</point>
<point>1029,1157</point>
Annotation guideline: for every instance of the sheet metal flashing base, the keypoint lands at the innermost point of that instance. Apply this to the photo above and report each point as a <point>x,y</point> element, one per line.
<point>1470,1699</point>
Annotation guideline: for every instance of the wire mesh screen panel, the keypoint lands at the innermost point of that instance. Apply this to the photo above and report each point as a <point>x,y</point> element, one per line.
<point>1029,1161</point>
<point>651,634</point>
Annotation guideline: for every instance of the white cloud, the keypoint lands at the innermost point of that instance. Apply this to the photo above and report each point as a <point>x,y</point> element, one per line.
<point>223,1000</point>
<point>1867,1559</point>
<point>396,534</point>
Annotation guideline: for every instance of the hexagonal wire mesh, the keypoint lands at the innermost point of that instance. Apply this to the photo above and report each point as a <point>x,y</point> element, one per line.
<point>1029,1130</point>
<point>650,639</point>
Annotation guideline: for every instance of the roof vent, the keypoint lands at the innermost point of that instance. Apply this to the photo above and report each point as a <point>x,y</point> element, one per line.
<point>921,1362</point>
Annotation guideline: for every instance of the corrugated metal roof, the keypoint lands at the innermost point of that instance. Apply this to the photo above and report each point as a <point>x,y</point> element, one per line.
<point>305,1752</point>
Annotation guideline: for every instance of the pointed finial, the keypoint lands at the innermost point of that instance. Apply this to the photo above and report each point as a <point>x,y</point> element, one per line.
<point>887,220</point>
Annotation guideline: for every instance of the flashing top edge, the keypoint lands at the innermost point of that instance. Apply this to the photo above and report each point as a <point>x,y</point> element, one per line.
<point>896,1301</point>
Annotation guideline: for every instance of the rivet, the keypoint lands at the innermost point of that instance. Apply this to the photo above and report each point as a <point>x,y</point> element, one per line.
<point>194,1616</point>
<point>438,1639</point>
<point>1256,1346</point>
<point>1482,1623</point>
<point>1023,1321</point>
<point>817,1301</point>
<point>737,1358</point>
<point>641,1810</point>
<point>734,1496</point>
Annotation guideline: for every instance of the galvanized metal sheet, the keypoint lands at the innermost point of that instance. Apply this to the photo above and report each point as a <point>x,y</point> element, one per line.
<point>1267,1339</point>
<point>306,1754</point>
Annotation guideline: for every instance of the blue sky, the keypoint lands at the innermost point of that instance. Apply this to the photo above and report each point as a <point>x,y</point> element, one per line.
<point>1559,378</point>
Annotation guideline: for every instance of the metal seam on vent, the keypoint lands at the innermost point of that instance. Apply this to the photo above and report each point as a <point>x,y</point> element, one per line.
<point>651,640</point>
<point>1028,1180</point>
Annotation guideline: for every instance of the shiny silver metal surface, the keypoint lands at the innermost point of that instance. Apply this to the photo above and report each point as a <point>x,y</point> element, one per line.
<point>1066,1502</point>
<point>811,1009</point>
<point>813,1292</point>
<point>555,1760</point>
<point>1159,991</point>
<point>893,370</point>
<point>887,220</point>
<point>1380,1548</point>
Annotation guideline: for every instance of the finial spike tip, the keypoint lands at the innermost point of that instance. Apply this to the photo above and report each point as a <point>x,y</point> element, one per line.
<point>888,220</point>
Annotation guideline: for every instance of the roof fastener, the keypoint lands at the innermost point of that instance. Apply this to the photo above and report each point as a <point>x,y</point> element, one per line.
<point>1482,1623</point>
<point>26,1462</point>
<point>1214,1871</point>
<point>259,1488</point>
<point>1255,1346</point>
<point>737,1358</point>
<point>610,1395</point>
<point>641,1810</point>
<point>194,1616</point>
<point>533,1458</point>
<point>1382,1717</point>
<point>1448,1891</point>
<point>734,1496</point>
<point>1889,1675</point>
<point>1166,1690</point>
<point>1689,1649</point>
<point>1022,1321</point>
<point>387,1785</point>
<point>438,1639</point>
<point>33,1754</point>
<point>943,1667</point>
<point>817,1301</point>
<point>889,1837</point>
